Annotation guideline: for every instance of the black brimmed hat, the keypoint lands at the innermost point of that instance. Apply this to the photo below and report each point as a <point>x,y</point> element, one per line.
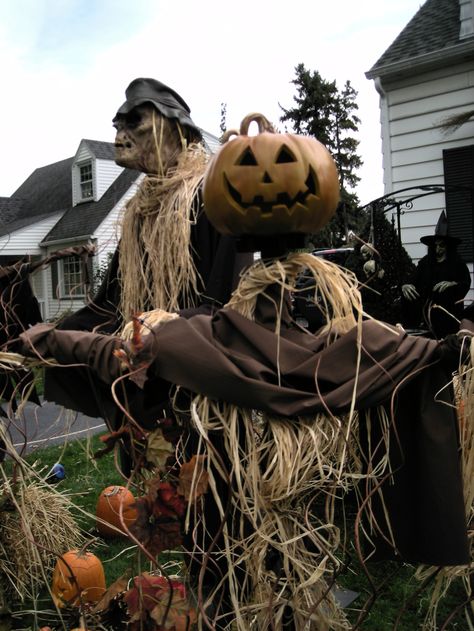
<point>441,232</point>
<point>168,102</point>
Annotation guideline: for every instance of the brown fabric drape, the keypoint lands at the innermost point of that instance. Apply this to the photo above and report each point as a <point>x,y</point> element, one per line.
<point>232,359</point>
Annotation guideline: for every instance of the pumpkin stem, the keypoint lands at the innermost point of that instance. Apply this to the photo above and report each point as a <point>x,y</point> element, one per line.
<point>226,135</point>
<point>83,550</point>
<point>262,122</point>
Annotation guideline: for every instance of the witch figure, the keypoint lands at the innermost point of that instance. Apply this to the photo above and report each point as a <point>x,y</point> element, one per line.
<point>433,297</point>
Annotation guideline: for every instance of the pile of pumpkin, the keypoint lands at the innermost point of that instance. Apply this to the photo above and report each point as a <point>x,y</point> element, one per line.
<point>79,586</point>
<point>79,576</point>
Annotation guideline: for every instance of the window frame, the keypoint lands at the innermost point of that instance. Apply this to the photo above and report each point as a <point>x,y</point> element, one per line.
<point>71,290</point>
<point>87,182</point>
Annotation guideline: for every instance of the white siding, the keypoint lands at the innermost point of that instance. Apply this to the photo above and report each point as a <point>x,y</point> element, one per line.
<point>466,16</point>
<point>417,107</point>
<point>26,240</point>
<point>55,305</point>
<point>38,285</point>
<point>106,238</point>
<point>412,113</point>
<point>106,172</point>
<point>212,142</point>
<point>107,234</point>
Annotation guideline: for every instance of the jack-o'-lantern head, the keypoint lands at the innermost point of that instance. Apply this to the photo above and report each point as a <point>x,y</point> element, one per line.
<point>270,183</point>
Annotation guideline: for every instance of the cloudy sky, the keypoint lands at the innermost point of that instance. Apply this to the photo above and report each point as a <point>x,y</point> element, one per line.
<point>65,65</point>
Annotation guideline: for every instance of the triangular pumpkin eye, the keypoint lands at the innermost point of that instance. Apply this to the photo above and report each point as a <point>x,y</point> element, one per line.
<point>247,159</point>
<point>285,155</point>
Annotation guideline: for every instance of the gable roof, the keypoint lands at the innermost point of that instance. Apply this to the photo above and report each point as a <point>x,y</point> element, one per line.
<point>83,219</point>
<point>432,35</point>
<point>211,142</point>
<point>100,149</point>
<point>46,191</point>
<point>9,209</point>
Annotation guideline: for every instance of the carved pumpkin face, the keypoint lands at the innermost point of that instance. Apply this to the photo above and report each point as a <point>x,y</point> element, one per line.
<point>270,184</point>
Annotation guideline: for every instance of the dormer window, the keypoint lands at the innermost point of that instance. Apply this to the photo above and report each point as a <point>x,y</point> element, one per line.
<point>85,177</point>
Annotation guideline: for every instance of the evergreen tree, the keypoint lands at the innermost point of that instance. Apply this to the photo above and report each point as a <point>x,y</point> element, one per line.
<point>223,123</point>
<point>329,114</point>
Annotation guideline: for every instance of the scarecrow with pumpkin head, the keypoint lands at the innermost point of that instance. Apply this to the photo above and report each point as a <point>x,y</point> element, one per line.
<point>286,425</point>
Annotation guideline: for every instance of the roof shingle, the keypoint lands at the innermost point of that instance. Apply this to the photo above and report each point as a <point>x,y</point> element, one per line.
<point>100,149</point>
<point>434,27</point>
<point>46,191</point>
<point>83,219</point>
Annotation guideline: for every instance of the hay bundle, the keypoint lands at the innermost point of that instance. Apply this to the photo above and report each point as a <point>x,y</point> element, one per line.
<point>280,526</point>
<point>335,289</point>
<point>156,268</point>
<point>36,525</point>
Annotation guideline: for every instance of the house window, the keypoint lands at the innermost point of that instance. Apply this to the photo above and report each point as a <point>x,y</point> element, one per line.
<point>459,180</point>
<point>72,278</point>
<point>85,176</point>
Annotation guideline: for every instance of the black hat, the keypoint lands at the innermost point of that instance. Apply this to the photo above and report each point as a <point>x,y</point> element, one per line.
<point>167,101</point>
<point>441,232</point>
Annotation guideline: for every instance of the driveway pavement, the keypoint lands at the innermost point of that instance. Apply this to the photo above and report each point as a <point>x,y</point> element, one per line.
<point>50,424</point>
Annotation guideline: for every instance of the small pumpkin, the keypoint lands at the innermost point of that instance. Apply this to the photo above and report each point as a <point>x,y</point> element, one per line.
<point>78,577</point>
<point>115,507</point>
<point>270,183</point>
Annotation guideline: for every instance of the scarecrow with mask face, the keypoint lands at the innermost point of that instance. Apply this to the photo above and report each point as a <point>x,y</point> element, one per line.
<point>170,258</point>
<point>434,296</point>
<point>287,423</point>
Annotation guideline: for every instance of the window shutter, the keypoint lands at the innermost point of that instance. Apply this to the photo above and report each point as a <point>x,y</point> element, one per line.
<point>55,278</point>
<point>459,181</point>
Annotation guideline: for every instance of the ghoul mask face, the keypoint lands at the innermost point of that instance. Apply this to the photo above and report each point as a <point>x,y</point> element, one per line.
<point>146,140</point>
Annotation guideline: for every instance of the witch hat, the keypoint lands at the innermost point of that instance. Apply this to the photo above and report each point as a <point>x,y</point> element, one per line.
<point>441,232</point>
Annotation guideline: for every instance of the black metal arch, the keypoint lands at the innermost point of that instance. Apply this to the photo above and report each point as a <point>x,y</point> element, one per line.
<point>388,202</point>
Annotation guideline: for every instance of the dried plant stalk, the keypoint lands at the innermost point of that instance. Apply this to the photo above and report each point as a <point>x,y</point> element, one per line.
<point>156,268</point>
<point>36,525</point>
<point>336,287</point>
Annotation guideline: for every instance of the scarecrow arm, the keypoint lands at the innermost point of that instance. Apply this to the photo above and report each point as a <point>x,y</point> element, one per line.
<point>97,351</point>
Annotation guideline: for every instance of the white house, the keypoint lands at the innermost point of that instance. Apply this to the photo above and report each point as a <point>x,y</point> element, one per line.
<point>73,202</point>
<point>425,77</point>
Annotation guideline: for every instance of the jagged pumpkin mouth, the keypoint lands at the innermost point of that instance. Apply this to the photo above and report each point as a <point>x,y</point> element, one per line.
<point>282,199</point>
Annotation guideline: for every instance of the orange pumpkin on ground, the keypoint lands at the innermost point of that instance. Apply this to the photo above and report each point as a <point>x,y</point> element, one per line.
<point>78,577</point>
<point>115,503</point>
<point>270,183</point>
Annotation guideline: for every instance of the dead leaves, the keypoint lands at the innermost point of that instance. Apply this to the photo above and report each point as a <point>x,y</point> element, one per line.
<point>193,478</point>
<point>158,600</point>
<point>115,590</point>
<point>158,449</point>
<point>159,513</point>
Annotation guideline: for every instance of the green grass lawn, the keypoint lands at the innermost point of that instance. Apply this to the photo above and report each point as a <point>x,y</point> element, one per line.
<point>86,478</point>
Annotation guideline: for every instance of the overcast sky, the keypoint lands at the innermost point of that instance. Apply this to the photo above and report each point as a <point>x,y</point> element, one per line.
<point>65,65</point>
